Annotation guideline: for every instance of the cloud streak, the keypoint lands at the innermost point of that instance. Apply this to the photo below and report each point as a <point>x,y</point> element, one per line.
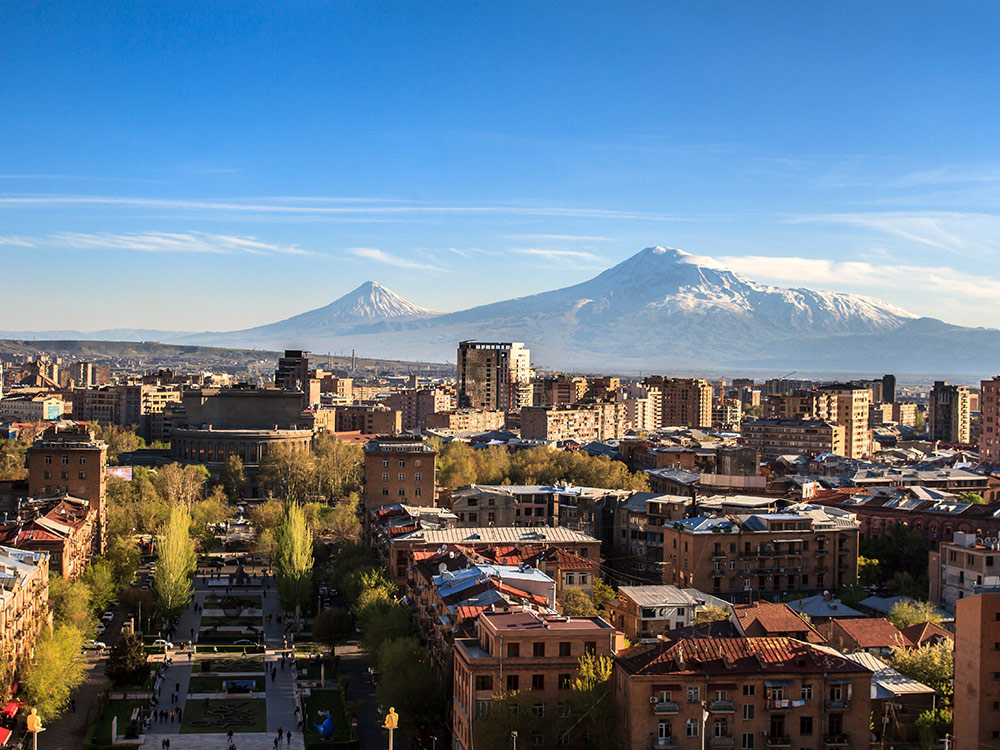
<point>16,242</point>
<point>165,242</point>
<point>329,207</point>
<point>380,256</point>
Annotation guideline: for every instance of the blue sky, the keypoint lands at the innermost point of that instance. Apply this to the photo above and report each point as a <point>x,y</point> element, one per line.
<point>220,165</point>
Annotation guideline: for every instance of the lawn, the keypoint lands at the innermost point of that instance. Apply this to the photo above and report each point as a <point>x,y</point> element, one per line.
<point>228,664</point>
<point>312,667</point>
<point>328,701</point>
<point>213,684</point>
<point>120,708</point>
<point>222,714</point>
<point>250,601</point>
<point>208,621</point>
<point>227,636</point>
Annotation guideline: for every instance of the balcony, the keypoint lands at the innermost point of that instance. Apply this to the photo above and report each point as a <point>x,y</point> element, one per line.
<point>780,704</point>
<point>722,707</point>
<point>836,740</point>
<point>664,742</point>
<point>779,741</point>
<point>838,705</point>
<point>721,740</point>
<point>666,707</point>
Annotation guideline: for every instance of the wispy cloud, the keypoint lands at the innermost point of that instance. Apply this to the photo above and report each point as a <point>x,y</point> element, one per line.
<point>380,256</point>
<point>931,280</point>
<point>335,207</point>
<point>164,242</point>
<point>948,175</point>
<point>16,242</point>
<point>968,234</point>
<point>556,254</point>
<point>559,237</point>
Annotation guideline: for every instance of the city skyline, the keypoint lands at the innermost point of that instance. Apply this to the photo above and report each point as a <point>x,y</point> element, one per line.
<point>259,164</point>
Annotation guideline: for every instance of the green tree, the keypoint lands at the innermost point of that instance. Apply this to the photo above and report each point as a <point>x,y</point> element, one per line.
<point>124,557</point>
<point>100,579</point>
<point>208,512</point>
<point>711,613</point>
<point>233,478</point>
<point>410,685</point>
<point>933,665</point>
<point>176,561</point>
<point>293,559</point>
<point>382,621</point>
<point>126,664</point>
<point>603,593</point>
<point>868,571</point>
<point>905,613</point>
<point>592,706</point>
<point>332,625</point>
<point>56,671</point>
<point>343,524</point>
<point>932,725</point>
<point>13,460</point>
<point>70,603</point>
<point>338,466</point>
<point>119,439</point>
<point>971,497</point>
<point>575,603</point>
<point>288,471</point>
<point>901,549</point>
<point>181,483</point>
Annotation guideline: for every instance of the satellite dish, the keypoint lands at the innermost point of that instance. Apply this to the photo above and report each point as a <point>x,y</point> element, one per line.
<point>442,567</point>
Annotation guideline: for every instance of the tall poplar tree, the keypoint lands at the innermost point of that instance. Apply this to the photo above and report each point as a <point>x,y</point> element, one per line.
<point>175,563</point>
<point>293,558</point>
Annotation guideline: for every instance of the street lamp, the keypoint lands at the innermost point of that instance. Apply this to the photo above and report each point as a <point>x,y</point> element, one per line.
<point>391,722</point>
<point>34,726</point>
<point>513,736</point>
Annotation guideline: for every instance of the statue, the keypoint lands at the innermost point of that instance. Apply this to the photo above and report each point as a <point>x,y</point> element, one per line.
<point>392,719</point>
<point>34,721</point>
<point>326,728</point>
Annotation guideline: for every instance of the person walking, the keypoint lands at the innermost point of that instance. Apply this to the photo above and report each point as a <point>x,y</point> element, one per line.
<point>229,735</point>
<point>179,714</point>
<point>288,738</point>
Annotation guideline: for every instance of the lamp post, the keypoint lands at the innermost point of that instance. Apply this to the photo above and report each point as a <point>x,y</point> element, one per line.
<point>34,726</point>
<point>391,722</point>
<point>513,736</point>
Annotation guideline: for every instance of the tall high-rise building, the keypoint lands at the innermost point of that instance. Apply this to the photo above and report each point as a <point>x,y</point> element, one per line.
<point>948,414</point>
<point>989,421</point>
<point>977,664</point>
<point>888,389</point>
<point>853,405</point>
<point>293,370</point>
<point>684,402</point>
<point>493,375</point>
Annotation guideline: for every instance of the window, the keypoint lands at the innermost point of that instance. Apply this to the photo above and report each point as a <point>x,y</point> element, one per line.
<point>571,579</point>
<point>664,730</point>
<point>749,711</point>
<point>564,738</point>
<point>65,475</point>
<point>482,709</point>
<point>512,682</point>
<point>473,518</point>
<point>83,460</point>
<point>749,690</point>
<point>48,460</point>
<point>807,692</point>
<point>747,742</point>
<point>538,710</point>
<point>805,725</point>
<point>691,728</point>
<point>385,490</point>
<point>720,728</point>
<point>402,477</point>
<point>402,492</point>
<point>65,460</point>
<point>538,682</point>
<point>590,647</point>
<point>385,476</point>
<point>513,650</point>
<point>48,474</point>
<point>402,463</point>
<point>484,682</point>
<point>419,476</point>
<point>82,474</point>
<point>583,579</point>
<point>385,463</point>
<point>564,710</point>
<point>416,492</point>
<point>564,681</point>
<point>538,649</point>
<point>693,696</point>
<point>418,463</point>
<point>537,739</point>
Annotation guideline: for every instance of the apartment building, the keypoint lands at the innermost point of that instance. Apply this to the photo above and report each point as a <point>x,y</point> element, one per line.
<point>65,529</point>
<point>558,389</point>
<point>583,423</point>
<point>977,669</point>
<point>727,414</point>
<point>399,469</point>
<point>989,422</point>
<point>24,606</point>
<point>780,437</point>
<point>67,460</point>
<point>292,372</point>
<point>958,566</point>
<point>814,405</point>
<point>804,549</point>
<point>35,408</point>
<point>534,654</point>
<point>948,413</point>
<point>493,375</point>
<point>368,420</point>
<point>416,405</point>
<point>852,413</point>
<point>466,420</point>
<point>747,693</point>
<point>643,613</point>
<point>684,402</point>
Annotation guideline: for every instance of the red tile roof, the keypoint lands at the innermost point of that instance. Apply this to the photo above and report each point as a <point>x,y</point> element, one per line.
<point>732,656</point>
<point>871,632</point>
<point>926,632</point>
<point>762,619</point>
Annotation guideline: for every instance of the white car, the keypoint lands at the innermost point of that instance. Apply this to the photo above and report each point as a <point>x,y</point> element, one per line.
<point>95,645</point>
<point>101,628</point>
<point>108,616</point>
<point>160,643</point>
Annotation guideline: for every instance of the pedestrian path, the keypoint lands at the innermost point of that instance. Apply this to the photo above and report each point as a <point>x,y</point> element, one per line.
<point>243,741</point>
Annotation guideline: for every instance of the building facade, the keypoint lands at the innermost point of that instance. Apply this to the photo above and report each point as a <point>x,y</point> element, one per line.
<point>977,670</point>
<point>399,469</point>
<point>493,375</point>
<point>781,437</point>
<point>948,414</point>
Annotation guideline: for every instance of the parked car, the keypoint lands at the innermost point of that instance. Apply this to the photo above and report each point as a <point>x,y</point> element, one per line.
<point>101,628</point>
<point>323,590</point>
<point>108,616</point>
<point>161,643</point>
<point>244,642</point>
<point>95,645</point>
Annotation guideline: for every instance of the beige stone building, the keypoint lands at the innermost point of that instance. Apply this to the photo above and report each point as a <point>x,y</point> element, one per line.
<point>24,607</point>
<point>684,402</point>
<point>781,437</point>
<point>852,413</point>
<point>989,420</point>
<point>493,375</point>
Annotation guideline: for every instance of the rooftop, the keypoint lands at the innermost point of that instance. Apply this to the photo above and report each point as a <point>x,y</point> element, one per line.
<point>521,619</point>
<point>499,535</point>
<point>656,596</point>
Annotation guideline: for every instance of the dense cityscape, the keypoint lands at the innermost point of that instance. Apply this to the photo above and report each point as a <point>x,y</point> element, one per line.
<point>497,554</point>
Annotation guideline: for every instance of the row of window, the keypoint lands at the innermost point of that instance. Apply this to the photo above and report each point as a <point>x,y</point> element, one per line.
<point>65,460</point>
<point>402,463</point>
<point>65,475</point>
<point>538,649</point>
<point>693,693</point>
<point>418,477</point>
<point>402,492</point>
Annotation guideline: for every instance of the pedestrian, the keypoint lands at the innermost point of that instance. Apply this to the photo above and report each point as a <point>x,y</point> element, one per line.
<point>215,649</point>
<point>178,714</point>
<point>275,743</point>
<point>168,743</point>
<point>171,717</point>
<point>274,674</point>
<point>288,737</point>
<point>72,704</point>
<point>177,687</point>
<point>229,735</point>
<point>244,650</point>
<point>192,632</point>
<point>163,744</point>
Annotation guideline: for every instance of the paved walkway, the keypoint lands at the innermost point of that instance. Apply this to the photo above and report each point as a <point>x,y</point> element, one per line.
<point>66,732</point>
<point>242,740</point>
<point>360,692</point>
